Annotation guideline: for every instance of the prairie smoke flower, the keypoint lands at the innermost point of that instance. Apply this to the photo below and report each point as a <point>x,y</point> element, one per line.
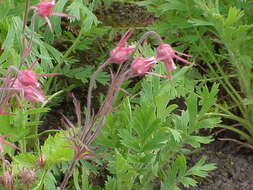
<point>142,65</point>
<point>34,94</point>
<point>27,176</point>
<point>42,161</point>
<point>29,85</point>
<point>166,54</point>
<point>45,9</point>
<point>7,180</point>
<point>26,84</point>
<point>28,78</point>
<point>122,52</point>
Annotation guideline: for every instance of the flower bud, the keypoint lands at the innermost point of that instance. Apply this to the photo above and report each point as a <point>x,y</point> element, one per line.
<point>33,94</point>
<point>27,176</point>
<point>166,54</point>
<point>165,51</point>
<point>44,8</point>
<point>42,161</point>
<point>142,65</point>
<point>120,54</point>
<point>28,78</point>
<point>7,179</point>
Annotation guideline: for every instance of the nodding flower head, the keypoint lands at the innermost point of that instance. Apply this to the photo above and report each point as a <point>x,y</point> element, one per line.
<point>7,179</point>
<point>166,54</point>
<point>44,8</point>
<point>165,51</point>
<point>29,92</point>
<point>34,94</point>
<point>28,78</point>
<point>27,176</point>
<point>142,65</point>
<point>25,84</point>
<point>122,52</point>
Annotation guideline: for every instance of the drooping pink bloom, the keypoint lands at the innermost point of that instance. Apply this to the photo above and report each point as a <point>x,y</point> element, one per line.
<point>166,54</point>
<point>30,92</point>
<point>28,78</point>
<point>45,9</point>
<point>122,52</point>
<point>7,180</point>
<point>142,65</point>
<point>33,94</point>
<point>26,85</point>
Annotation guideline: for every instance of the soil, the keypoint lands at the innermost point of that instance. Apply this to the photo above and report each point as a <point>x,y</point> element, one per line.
<point>234,167</point>
<point>120,14</point>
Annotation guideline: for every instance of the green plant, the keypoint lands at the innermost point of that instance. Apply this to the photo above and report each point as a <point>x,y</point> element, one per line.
<point>218,34</point>
<point>146,138</point>
<point>22,102</point>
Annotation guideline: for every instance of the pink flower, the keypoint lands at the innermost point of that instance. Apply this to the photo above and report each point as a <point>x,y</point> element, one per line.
<point>30,92</point>
<point>28,77</point>
<point>142,65</point>
<point>122,52</point>
<point>27,85</point>
<point>166,54</point>
<point>45,9</point>
<point>7,180</point>
<point>33,94</point>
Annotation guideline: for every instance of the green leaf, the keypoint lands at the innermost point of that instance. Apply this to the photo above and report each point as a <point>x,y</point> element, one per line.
<point>187,182</point>
<point>124,172</point>
<point>156,142</point>
<point>234,15</point>
<point>56,149</point>
<point>196,141</point>
<point>128,140</point>
<point>74,9</point>
<point>49,181</point>
<point>191,102</point>
<point>198,22</point>
<point>8,43</point>
<point>25,160</point>
<point>208,99</point>
<point>176,134</point>
<point>200,169</point>
<point>111,184</point>
<point>37,110</point>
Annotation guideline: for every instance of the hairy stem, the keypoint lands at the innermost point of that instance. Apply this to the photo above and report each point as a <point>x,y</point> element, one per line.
<point>91,84</point>
<point>69,173</point>
<point>24,23</point>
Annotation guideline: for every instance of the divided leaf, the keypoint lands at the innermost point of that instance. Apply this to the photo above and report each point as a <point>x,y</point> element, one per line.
<point>56,149</point>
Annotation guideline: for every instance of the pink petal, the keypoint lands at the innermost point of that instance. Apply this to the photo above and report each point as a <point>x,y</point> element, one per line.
<point>142,65</point>
<point>62,15</point>
<point>121,54</point>
<point>126,36</point>
<point>183,60</point>
<point>34,95</point>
